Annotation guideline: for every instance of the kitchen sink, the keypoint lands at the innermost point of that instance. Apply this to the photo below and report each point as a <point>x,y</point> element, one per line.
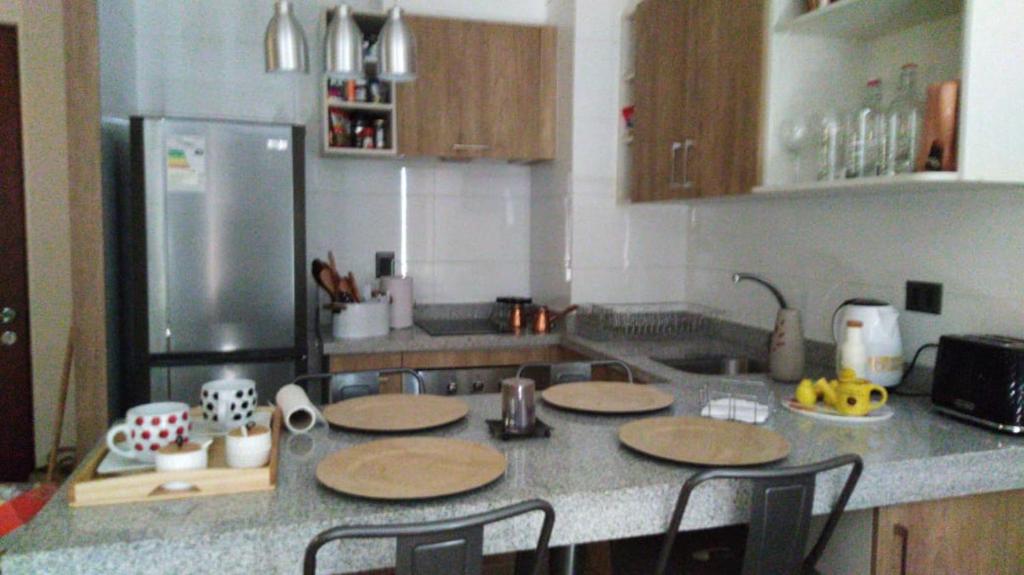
<point>714,364</point>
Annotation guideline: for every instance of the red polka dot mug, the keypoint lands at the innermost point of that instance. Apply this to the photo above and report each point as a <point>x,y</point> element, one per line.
<point>148,427</point>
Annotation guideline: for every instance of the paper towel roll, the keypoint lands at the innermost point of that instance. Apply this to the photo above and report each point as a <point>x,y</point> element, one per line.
<point>299,412</point>
<point>399,289</point>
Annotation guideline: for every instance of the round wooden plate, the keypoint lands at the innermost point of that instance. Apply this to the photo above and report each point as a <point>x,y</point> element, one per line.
<point>704,441</point>
<point>391,412</point>
<point>607,397</point>
<point>406,468</point>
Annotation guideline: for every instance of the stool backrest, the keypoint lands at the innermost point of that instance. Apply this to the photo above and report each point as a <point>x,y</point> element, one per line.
<point>571,371</point>
<point>780,514</point>
<point>446,547</point>
<point>342,385</point>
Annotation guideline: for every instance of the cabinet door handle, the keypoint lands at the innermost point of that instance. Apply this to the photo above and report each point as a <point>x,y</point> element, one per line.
<point>687,146</point>
<point>470,147</point>
<point>904,534</point>
<point>672,183</point>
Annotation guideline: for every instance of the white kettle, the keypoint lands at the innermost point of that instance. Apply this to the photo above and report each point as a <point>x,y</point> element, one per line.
<point>881,334</point>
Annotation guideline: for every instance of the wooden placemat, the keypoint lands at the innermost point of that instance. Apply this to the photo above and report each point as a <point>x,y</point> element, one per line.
<point>704,441</point>
<point>607,397</point>
<point>392,412</point>
<point>406,468</point>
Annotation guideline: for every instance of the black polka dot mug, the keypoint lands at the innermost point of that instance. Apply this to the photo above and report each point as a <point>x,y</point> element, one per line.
<point>148,427</point>
<point>228,403</point>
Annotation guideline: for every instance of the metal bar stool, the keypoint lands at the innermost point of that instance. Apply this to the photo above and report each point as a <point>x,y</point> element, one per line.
<point>446,547</point>
<point>568,560</point>
<point>780,515</point>
<point>351,384</point>
<point>570,371</point>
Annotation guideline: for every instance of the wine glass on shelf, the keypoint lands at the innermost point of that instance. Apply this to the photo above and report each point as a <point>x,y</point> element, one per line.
<point>794,133</point>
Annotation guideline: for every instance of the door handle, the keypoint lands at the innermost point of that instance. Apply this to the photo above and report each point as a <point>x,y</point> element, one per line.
<point>470,147</point>
<point>676,146</point>
<point>687,146</point>
<point>904,534</point>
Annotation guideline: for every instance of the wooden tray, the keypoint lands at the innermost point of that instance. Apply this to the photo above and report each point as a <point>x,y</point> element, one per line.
<point>394,412</point>
<point>607,397</point>
<point>88,488</point>
<point>407,468</point>
<point>704,441</point>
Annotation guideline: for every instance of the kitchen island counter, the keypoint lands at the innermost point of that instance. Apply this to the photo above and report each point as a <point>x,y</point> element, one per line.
<point>600,489</point>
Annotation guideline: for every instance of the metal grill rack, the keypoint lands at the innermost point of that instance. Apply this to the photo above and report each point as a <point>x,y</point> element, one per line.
<point>604,322</point>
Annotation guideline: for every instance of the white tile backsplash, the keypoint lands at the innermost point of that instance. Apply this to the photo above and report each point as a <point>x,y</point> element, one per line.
<point>822,251</point>
<point>454,239</point>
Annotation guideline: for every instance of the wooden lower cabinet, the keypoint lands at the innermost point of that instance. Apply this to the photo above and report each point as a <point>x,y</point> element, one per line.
<point>978,534</point>
<point>451,359</point>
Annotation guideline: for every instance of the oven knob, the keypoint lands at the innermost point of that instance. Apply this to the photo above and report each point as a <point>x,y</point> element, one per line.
<point>478,386</point>
<point>452,388</point>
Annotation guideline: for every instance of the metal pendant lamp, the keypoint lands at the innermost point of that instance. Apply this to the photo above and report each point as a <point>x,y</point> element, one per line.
<point>343,54</point>
<point>397,49</point>
<point>285,42</point>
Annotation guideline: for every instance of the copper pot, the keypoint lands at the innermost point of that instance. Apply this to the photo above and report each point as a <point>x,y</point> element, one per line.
<point>544,319</point>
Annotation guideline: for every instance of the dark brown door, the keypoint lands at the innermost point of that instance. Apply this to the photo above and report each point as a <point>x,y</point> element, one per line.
<point>17,455</point>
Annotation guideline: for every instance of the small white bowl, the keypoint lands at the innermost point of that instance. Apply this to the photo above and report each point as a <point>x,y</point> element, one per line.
<point>250,447</point>
<point>193,455</point>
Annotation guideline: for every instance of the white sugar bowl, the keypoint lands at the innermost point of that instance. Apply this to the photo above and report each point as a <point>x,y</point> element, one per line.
<point>248,446</point>
<point>183,455</point>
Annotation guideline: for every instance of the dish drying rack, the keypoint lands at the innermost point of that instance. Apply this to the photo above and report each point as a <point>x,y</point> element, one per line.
<point>604,322</point>
<point>744,400</point>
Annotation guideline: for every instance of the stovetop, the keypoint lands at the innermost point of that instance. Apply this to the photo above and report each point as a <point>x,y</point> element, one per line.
<point>473,326</point>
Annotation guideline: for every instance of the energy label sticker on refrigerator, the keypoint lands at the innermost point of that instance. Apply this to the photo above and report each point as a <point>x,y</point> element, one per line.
<point>186,164</point>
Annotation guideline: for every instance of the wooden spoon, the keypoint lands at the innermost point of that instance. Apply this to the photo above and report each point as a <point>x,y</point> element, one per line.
<point>355,287</point>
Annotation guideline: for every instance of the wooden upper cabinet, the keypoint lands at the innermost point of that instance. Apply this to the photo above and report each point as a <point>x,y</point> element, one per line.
<point>664,62</point>
<point>427,124</point>
<point>483,90</point>
<point>729,43</point>
<point>697,93</point>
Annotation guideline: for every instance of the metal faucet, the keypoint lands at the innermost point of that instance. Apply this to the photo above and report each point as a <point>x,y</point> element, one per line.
<point>737,278</point>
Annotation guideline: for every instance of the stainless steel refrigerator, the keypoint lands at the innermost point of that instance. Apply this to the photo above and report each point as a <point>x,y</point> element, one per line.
<point>212,257</point>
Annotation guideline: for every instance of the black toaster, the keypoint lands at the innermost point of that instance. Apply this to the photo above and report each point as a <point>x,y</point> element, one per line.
<point>980,378</point>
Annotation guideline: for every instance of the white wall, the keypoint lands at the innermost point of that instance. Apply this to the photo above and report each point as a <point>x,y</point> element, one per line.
<point>522,11</point>
<point>44,142</point>
<point>10,11</point>
<point>550,186</point>
<point>466,225</point>
<point>620,252</point>
<point>823,251</point>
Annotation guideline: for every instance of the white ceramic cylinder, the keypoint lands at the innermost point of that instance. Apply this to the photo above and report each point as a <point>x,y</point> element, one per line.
<point>248,448</point>
<point>299,412</point>
<point>188,456</point>
<point>367,319</point>
<point>399,290</point>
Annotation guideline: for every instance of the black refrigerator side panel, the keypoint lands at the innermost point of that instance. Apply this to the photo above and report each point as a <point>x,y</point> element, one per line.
<point>302,334</point>
<point>135,384</point>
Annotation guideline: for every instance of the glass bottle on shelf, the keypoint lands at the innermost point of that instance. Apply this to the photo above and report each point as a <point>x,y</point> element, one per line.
<point>904,124</point>
<point>830,147</point>
<point>865,135</point>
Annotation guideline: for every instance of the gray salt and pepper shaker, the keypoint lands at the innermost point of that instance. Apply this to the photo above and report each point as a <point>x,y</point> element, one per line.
<point>518,409</point>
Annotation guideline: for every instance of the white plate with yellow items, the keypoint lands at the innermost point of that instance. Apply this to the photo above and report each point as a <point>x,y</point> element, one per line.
<point>846,400</point>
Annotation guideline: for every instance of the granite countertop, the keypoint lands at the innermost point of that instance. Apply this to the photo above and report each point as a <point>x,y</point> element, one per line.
<point>600,490</point>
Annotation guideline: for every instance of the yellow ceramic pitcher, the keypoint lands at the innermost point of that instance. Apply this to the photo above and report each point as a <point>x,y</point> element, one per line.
<point>853,395</point>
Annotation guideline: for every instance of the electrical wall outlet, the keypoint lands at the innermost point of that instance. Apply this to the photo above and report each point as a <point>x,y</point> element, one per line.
<point>925,297</point>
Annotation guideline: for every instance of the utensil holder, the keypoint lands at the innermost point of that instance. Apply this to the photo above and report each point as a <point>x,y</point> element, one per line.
<point>359,320</point>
